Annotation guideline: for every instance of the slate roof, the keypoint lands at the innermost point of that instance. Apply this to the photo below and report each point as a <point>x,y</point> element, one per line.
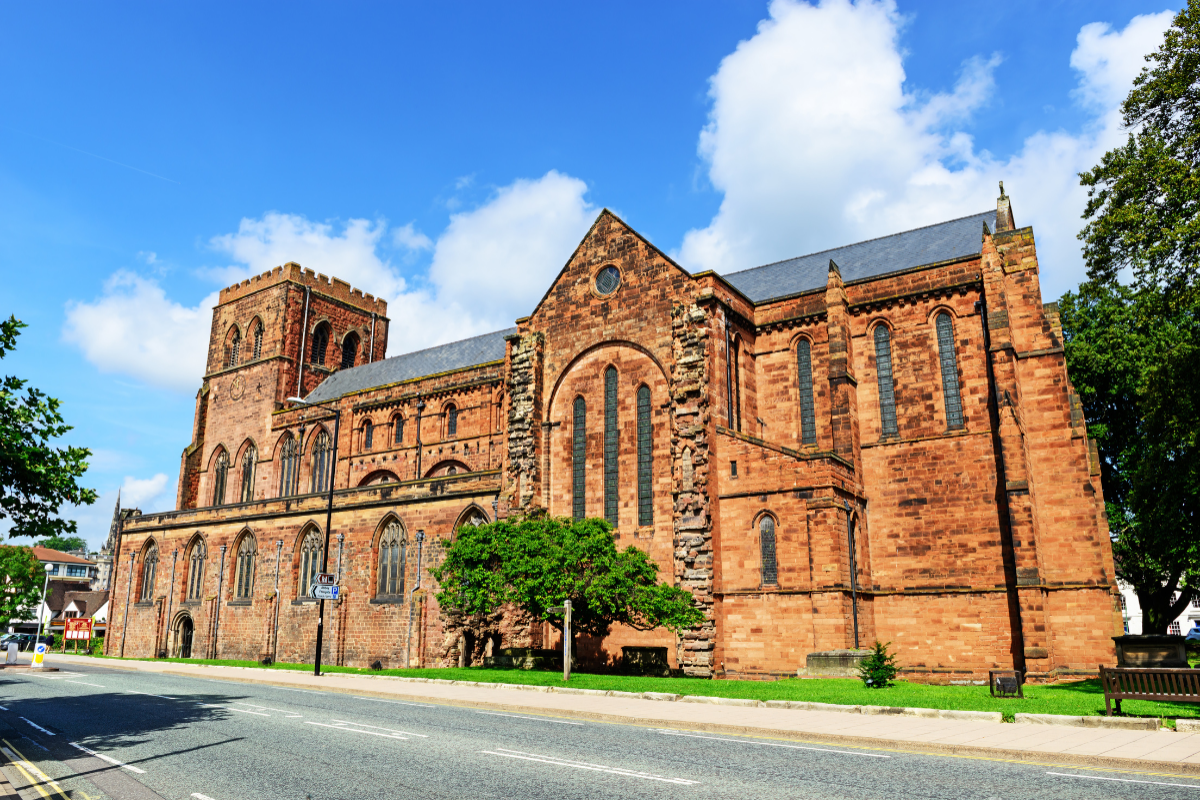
<point>872,258</point>
<point>88,603</point>
<point>443,358</point>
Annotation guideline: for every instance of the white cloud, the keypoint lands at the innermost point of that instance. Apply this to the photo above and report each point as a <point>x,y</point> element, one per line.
<point>814,141</point>
<point>143,493</point>
<point>135,329</point>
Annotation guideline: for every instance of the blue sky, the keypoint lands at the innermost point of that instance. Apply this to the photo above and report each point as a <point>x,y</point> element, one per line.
<point>448,157</point>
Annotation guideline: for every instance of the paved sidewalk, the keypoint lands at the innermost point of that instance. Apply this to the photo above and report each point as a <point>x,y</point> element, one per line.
<point>1141,750</point>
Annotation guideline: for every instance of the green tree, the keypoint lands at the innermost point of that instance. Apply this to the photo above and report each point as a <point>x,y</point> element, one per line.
<point>538,563</point>
<point>22,577</point>
<point>36,479</point>
<point>64,544</point>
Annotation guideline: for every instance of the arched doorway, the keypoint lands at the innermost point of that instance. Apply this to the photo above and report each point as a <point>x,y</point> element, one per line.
<point>183,634</point>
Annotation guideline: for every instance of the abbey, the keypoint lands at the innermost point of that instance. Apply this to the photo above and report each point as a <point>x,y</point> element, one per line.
<point>879,441</point>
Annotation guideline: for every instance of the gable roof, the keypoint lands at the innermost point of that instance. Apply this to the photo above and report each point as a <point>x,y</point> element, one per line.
<point>430,361</point>
<point>945,241</point>
<point>87,603</point>
<point>58,556</point>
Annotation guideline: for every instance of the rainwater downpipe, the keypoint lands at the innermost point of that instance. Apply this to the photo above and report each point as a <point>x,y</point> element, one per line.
<point>275,637</point>
<point>853,570</point>
<point>411,592</point>
<point>217,613</point>
<point>303,344</point>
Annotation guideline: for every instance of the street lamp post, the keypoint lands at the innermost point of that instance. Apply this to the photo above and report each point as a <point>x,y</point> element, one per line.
<point>37,662</point>
<point>337,427</point>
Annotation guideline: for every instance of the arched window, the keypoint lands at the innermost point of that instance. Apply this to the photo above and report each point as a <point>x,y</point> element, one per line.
<point>349,350</point>
<point>235,349</point>
<point>392,555</point>
<point>451,420</point>
<point>398,430</point>
<point>249,460</point>
<point>766,543</point>
<point>645,478</point>
<point>610,445</point>
<point>320,462</point>
<point>735,354</point>
<point>883,370</point>
<point>579,460</point>
<point>312,550</point>
<point>289,467</point>
<point>808,420</point>
<point>945,335</point>
<point>195,584</point>
<point>368,435</point>
<point>220,478</point>
<point>243,578</point>
<point>258,336</point>
<point>149,570</point>
<point>320,343</point>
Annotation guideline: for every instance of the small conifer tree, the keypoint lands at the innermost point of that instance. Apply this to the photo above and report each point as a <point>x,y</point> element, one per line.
<point>879,668</point>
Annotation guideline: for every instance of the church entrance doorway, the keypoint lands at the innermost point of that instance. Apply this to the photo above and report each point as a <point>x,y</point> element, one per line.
<point>184,635</point>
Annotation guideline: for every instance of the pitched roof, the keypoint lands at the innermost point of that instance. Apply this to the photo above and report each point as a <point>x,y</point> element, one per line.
<point>944,241</point>
<point>431,361</point>
<point>46,554</point>
<point>88,603</point>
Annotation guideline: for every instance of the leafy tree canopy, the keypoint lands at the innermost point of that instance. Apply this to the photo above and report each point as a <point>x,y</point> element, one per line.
<point>537,564</point>
<point>22,576</point>
<point>36,479</point>
<point>64,544</point>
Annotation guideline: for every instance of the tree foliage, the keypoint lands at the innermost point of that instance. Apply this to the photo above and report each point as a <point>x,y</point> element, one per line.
<point>63,544</point>
<point>879,668</point>
<point>21,578</point>
<point>538,563</point>
<point>36,479</point>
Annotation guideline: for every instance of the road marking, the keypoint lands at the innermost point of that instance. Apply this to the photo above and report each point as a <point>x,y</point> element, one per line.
<point>538,719</point>
<point>667,732</point>
<point>199,796</point>
<point>39,727</point>
<point>85,683</point>
<point>231,708</point>
<point>355,730</point>
<point>2,708</point>
<point>561,762</point>
<point>291,714</point>
<point>103,757</point>
<point>147,694</point>
<point>393,702</point>
<point>26,768</point>
<point>376,727</point>
<point>1125,780</point>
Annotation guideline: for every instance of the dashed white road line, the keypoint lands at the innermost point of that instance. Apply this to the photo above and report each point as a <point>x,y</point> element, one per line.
<point>355,730</point>
<point>147,694</point>
<point>393,702</point>
<point>110,760</point>
<point>36,776</point>
<point>199,796</point>
<point>389,730</point>
<point>2,708</point>
<point>231,708</point>
<point>537,719</point>
<point>39,727</point>
<point>666,732</point>
<point>85,683</point>
<point>1125,780</point>
<point>290,714</point>
<point>562,762</point>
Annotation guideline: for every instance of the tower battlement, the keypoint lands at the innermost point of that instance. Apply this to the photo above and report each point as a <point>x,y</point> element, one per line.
<point>293,272</point>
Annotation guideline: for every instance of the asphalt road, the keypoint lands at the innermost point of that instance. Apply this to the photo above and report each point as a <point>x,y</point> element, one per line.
<point>101,733</point>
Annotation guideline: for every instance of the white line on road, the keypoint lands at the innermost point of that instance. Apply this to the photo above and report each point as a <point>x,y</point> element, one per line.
<point>376,727</point>
<point>31,771</point>
<point>355,730</point>
<point>2,708</point>
<point>39,727</point>
<point>1125,780</point>
<point>147,694</point>
<point>85,683</point>
<point>199,796</point>
<point>103,757</point>
<point>231,708</point>
<point>292,714</point>
<point>772,744</point>
<point>538,719</point>
<point>560,762</point>
<point>394,702</point>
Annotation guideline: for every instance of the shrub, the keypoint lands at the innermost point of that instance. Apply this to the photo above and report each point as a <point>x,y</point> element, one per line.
<point>879,668</point>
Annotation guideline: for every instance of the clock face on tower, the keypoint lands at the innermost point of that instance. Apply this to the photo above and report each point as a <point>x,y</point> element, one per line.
<point>237,388</point>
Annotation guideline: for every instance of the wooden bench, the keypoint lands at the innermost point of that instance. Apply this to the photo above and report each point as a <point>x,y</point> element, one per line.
<point>1127,683</point>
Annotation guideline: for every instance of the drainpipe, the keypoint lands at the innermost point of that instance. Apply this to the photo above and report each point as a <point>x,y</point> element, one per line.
<point>303,342</point>
<point>128,590</point>
<point>275,637</point>
<point>338,580</point>
<point>371,358</point>
<point>728,367</point>
<point>170,599</point>
<point>411,592</point>
<point>420,408</point>
<point>853,571</point>
<point>217,613</point>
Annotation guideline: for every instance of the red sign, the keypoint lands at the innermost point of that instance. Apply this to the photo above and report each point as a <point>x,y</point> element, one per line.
<point>77,628</point>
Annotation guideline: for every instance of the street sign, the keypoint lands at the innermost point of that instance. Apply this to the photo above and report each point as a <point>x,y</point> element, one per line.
<point>39,654</point>
<point>319,592</point>
<point>78,628</point>
<point>326,578</point>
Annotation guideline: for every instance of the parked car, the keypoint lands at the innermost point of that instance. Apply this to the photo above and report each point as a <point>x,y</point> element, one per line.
<point>1194,634</point>
<point>25,641</point>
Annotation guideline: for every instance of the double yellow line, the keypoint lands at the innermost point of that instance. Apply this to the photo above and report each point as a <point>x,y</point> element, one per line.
<point>23,765</point>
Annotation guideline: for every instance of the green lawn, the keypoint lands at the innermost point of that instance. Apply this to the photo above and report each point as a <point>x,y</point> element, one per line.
<point>1077,698</point>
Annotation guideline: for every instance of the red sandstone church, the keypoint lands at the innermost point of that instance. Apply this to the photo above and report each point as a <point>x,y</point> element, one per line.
<point>874,442</point>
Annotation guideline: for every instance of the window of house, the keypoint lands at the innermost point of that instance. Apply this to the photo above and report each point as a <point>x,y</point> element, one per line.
<point>883,369</point>
<point>368,435</point>
<point>320,343</point>
<point>451,420</point>
<point>220,478</point>
<point>312,550</point>
<point>149,569</point>
<point>1174,629</point>
<point>579,459</point>
<point>54,569</point>
<point>249,461</point>
<point>320,462</point>
<point>949,363</point>
<point>392,552</point>
<point>258,337</point>
<point>398,430</point>
<point>289,467</point>
<point>645,477</point>
<point>766,543</point>
<point>610,445</point>
<point>349,350</point>
<point>808,419</point>
<point>195,585</point>
<point>243,578</point>
<point>76,571</point>
<point>235,348</point>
